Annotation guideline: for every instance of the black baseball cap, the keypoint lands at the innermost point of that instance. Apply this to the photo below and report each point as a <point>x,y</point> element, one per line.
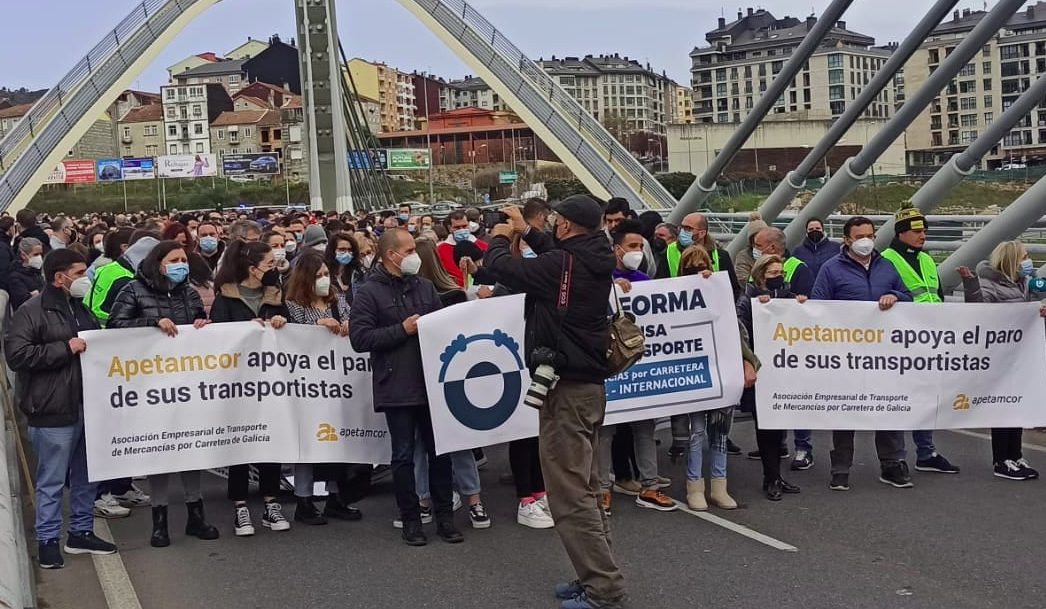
<point>582,210</point>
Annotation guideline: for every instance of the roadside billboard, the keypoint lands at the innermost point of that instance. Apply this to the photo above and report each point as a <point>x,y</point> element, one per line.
<point>73,172</point>
<point>369,159</point>
<point>110,170</point>
<point>263,163</point>
<point>139,169</point>
<point>409,159</point>
<point>188,166</point>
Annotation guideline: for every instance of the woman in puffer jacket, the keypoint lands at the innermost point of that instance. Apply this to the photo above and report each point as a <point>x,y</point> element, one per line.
<point>160,297</point>
<point>1004,278</point>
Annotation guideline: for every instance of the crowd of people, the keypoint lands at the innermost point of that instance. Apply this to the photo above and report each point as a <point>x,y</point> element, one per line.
<point>369,278</point>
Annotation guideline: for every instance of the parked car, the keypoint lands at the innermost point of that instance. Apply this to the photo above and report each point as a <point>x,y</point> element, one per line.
<point>265,164</point>
<point>1012,166</point>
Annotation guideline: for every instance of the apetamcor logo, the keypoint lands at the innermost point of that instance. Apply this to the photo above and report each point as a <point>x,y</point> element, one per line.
<point>468,385</point>
<point>327,433</point>
<point>966,402</point>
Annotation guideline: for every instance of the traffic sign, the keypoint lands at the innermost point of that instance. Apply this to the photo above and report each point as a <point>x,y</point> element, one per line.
<point>508,177</point>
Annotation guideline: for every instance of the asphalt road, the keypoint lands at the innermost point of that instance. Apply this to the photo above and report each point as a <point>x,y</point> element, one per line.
<point>954,542</point>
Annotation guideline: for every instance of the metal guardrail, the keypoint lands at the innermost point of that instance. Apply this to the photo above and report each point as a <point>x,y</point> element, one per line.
<point>82,88</point>
<point>650,190</point>
<point>946,233</point>
<point>16,590</point>
<point>56,97</point>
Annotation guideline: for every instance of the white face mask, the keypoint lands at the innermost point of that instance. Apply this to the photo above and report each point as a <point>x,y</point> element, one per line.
<point>279,254</point>
<point>323,286</point>
<point>36,262</point>
<point>100,246</point>
<point>473,227</point>
<point>320,247</point>
<point>410,265</point>
<point>80,287</point>
<point>632,260</point>
<point>368,261</point>
<point>290,246</point>
<point>863,247</point>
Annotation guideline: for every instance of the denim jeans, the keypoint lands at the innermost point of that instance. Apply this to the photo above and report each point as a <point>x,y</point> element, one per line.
<point>405,425</point>
<point>924,447</point>
<point>62,451</point>
<point>716,448</point>
<point>645,449</point>
<point>804,440</point>
<point>463,465</point>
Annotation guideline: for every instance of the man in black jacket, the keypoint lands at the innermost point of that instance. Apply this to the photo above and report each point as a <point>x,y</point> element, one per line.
<point>27,223</point>
<point>576,332</point>
<point>43,349</point>
<point>384,323</point>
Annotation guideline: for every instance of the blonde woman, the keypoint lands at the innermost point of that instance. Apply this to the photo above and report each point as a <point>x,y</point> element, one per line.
<point>433,270</point>
<point>1004,278</point>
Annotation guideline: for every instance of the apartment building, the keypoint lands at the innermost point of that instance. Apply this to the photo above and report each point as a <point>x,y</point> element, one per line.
<point>277,64</point>
<point>471,92</point>
<point>97,143</point>
<point>681,110</point>
<point>981,91</point>
<point>188,111</point>
<point>393,89</point>
<point>141,132</point>
<point>615,87</point>
<point>247,131</point>
<point>745,55</point>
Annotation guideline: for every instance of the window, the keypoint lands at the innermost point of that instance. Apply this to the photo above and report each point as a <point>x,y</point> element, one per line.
<point>127,132</point>
<point>987,85</point>
<point>776,66</point>
<point>969,69</point>
<point>986,51</point>
<point>171,112</point>
<point>967,137</point>
<point>172,130</point>
<point>720,89</point>
<point>198,129</point>
<point>836,92</point>
<point>247,132</point>
<point>989,118</point>
<point>837,107</point>
<point>1012,51</point>
<point>968,103</point>
<point>720,74</point>
<point>723,117</point>
<point>196,91</point>
<point>986,67</point>
<point>234,79</point>
<point>835,77</point>
<point>197,110</point>
<point>152,130</point>
<point>987,101</point>
<point>968,120</point>
<point>174,149</point>
<point>199,147</point>
<point>151,150</point>
<point>221,134</point>
<point>184,112</point>
<point>935,55</point>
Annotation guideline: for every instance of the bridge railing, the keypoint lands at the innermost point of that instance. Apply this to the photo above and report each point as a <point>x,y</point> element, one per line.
<point>649,188</point>
<point>55,98</point>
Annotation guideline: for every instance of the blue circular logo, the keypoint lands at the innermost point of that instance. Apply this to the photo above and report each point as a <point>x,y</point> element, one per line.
<point>473,375</point>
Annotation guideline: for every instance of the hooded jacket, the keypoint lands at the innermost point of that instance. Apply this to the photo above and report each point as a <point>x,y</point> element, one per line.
<point>989,285</point>
<point>816,254</point>
<point>130,260</point>
<point>50,384</point>
<point>143,302</point>
<point>36,233</point>
<point>843,278</point>
<point>376,319</point>
<point>581,335</point>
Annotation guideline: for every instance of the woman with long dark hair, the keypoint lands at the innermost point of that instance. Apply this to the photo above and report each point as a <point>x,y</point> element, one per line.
<point>344,263</point>
<point>246,289</point>
<point>160,297</point>
<point>312,299</point>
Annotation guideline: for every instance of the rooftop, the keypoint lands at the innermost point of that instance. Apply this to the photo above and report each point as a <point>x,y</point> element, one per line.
<point>15,111</point>
<point>594,65</point>
<point>144,114</point>
<point>219,68</point>
<point>760,28</point>
<point>247,117</point>
<point>1034,16</point>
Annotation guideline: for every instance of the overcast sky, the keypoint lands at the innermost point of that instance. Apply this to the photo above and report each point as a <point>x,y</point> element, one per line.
<point>43,39</point>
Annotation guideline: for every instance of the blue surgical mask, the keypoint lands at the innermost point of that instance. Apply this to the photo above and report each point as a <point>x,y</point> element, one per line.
<point>686,238</point>
<point>404,217</point>
<point>177,272</point>
<point>343,258</point>
<point>1027,268</point>
<point>299,236</point>
<point>412,228</point>
<point>530,254</point>
<point>462,235</point>
<point>757,254</point>
<point>209,244</point>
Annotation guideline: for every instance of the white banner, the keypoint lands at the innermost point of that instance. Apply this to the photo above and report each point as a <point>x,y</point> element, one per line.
<point>187,166</point>
<point>848,365</point>
<point>223,395</point>
<point>476,367</point>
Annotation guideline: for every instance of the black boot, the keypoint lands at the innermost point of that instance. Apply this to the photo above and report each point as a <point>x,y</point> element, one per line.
<point>307,513</point>
<point>197,525</point>
<point>337,509</point>
<point>160,538</point>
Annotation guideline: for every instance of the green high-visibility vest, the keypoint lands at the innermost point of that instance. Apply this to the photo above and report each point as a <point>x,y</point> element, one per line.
<point>789,267</point>
<point>674,256</point>
<point>923,289</point>
<point>104,278</point>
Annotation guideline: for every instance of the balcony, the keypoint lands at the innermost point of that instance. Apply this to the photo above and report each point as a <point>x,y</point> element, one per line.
<point>126,138</point>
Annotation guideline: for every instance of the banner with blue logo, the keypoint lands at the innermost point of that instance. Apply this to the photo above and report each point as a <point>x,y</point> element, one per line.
<point>476,372</point>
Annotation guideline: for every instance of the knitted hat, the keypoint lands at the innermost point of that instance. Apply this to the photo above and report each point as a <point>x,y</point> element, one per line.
<point>582,210</point>
<point>908,219</point>
<point>314,235</point>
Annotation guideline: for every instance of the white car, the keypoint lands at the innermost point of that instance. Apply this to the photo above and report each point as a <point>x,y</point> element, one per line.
<point>1012,166</point>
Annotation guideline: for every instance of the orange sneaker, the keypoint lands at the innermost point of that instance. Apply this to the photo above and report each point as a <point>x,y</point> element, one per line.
<point>656,500</point>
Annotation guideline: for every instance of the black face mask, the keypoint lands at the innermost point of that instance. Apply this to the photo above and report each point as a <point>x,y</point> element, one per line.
<point>775,283</point>
<point>271,278</point>
<point>658,245</point>
<point>694,270</point>
<point>815,236</point>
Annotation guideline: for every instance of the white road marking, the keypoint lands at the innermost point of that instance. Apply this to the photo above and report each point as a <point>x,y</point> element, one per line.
<point>740,529</point>
<point>984,436</point>
<point>112,575</point>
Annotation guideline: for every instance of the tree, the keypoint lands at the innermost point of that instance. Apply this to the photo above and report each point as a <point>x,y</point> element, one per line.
<point>676,183</point>
<point>559,188</point>
<point>617,125</point>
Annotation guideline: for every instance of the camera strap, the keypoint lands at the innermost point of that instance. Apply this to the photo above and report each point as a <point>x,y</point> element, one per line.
<point>563,301</point>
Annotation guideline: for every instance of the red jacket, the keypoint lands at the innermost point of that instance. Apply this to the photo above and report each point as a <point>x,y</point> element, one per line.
<point>446,256</point>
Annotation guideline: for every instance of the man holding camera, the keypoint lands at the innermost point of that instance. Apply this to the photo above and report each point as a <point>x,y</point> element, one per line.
<point>568,287</point>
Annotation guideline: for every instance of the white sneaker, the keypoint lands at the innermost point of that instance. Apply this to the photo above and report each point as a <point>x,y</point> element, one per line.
<point>531,515</point>
<point>133,498</point>
<point>107,506</point>
<point>242,522</point>
<point>543,504</point>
